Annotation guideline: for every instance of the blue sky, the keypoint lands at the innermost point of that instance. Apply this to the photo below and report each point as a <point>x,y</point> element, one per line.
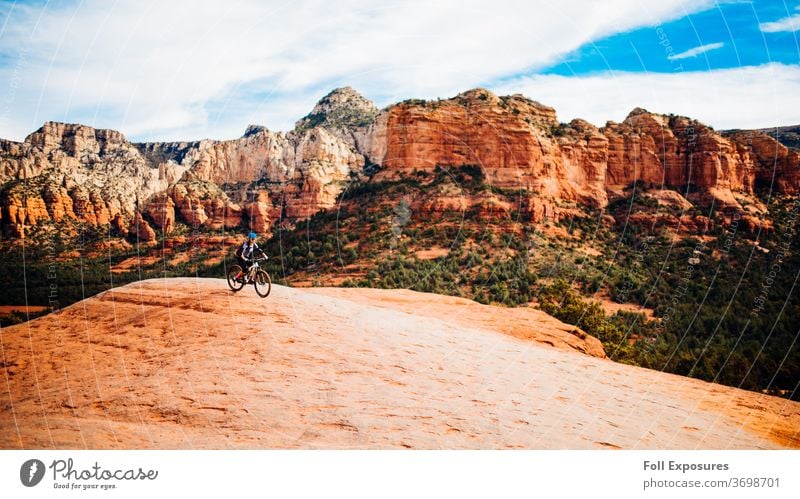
<point>185,70</point>
<point>729,35</point>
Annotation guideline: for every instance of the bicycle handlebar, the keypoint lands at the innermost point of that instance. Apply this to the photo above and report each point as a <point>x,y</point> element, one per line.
<point>262,257</point>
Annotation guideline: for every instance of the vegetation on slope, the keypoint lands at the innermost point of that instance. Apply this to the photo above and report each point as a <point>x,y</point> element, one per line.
<point>723,307</point>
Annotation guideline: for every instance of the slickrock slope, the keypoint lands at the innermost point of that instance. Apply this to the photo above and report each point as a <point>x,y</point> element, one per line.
<point>185,363</point>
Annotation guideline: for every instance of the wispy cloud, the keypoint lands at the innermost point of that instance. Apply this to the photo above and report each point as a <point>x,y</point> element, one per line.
<point>791,24</point>
<point>192,69</point>
<point>713,97</point>
<point>694,52</point>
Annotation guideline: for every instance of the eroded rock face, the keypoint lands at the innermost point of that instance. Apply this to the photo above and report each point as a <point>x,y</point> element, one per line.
<point>258,214</point>
<point>343,109</point>
<point>202,203</point>
<point>79,173</point>
<point>517,143</point>
<point>773,160</point>
<point>141,230</point>
<point>59,203</point>
<point>66,172</point>
<point>161,210</point>
<point>678,152</point>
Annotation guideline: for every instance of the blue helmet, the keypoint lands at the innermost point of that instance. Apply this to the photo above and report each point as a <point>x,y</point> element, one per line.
<point>252,235</point>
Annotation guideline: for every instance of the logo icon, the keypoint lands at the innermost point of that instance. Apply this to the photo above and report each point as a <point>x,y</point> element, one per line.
<point>31,472</point>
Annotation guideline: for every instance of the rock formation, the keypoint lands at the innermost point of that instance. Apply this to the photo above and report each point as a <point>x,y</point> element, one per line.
<point>72,172</point>
<point>259,214</point>
<point>345,368</point>
<point>786,135</point>
<point>66,172</point>
<point>669,152</point>
<point>342,109</point>
<point>774,162</point>
<point>75,172</point>
<point>141,230</point>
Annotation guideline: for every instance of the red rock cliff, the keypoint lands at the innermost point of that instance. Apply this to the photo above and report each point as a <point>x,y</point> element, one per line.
<point>517,142</point>
<point>66,172</point>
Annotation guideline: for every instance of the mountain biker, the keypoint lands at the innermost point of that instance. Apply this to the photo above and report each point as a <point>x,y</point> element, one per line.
<point>246,254</point>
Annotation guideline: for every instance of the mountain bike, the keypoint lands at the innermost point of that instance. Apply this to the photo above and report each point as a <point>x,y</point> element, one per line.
<point>256,276</point>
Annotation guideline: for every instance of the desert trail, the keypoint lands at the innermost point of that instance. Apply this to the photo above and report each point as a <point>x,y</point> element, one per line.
<point>186,363</point>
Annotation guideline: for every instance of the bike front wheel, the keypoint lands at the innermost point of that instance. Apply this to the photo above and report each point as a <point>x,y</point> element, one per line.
<point>234,284</point>
<point>262,283</point>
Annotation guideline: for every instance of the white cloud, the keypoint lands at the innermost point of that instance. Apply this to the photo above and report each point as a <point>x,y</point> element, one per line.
<point>187,69</point>
<point>694,52</point>
<point>747,97</point>
<point>791,24</point>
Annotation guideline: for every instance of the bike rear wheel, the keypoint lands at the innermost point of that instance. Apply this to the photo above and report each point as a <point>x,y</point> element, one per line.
<point>263,283</point>
<point>232,282</point>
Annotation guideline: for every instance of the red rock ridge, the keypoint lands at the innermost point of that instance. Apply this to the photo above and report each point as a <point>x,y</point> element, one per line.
<point>510,138</point>
<point>66,172</point>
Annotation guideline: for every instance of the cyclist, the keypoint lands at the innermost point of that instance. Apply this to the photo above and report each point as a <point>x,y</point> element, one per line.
<point>246,255</point>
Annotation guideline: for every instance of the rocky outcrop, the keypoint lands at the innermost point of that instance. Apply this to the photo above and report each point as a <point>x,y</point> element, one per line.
<point>539,210</point>
<point>691,224</point>
<point>202,203</point>
<point>451,373</point>
<point>161,210</point>
<point>141,230</point>
<point>519,143</point>
<point>786,135</point>
<point>74,172</point>
<point>327,162</point>
<point>674,151</point>
<point>196,203</point>
<point>342,109</point>
<point>777,167</point>
<point>66,172</point>
<point>516,142</point>
<point>259,214</point>
<point>21,209</point>
<point>668,198</point>
<point>79,173</point>
<point>60,204</point>
<point>119,227</point>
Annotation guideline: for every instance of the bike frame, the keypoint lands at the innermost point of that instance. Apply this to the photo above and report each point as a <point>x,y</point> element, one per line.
<point>253,269</point>
<point>251,274</point>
